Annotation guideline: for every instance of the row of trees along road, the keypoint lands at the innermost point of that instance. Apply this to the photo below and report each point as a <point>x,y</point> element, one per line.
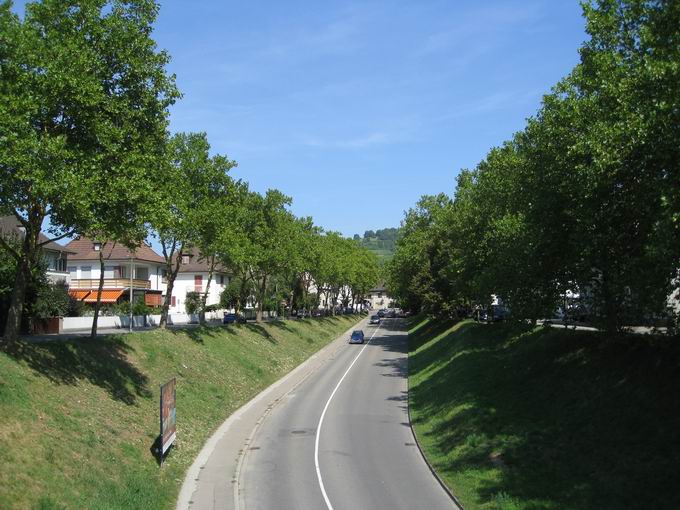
<point>84,143</point>
<point>585,198</point>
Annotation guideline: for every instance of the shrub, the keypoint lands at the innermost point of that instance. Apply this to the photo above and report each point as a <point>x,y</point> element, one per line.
<point>52,301</point>
<point>193,302</point>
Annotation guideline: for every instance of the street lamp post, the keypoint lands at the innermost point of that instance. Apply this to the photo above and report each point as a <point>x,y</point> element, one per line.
<point>132,273</point>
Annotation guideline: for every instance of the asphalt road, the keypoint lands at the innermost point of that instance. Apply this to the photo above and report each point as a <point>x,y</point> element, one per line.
<point>341,439</point>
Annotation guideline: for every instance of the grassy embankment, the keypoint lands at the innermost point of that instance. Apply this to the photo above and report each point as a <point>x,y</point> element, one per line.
<point>78,419</point>
<point>519,418</point>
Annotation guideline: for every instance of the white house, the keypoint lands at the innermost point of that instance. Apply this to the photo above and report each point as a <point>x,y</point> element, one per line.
<point>140,271</point>
<point>377,297</point>
<point>193,275</point>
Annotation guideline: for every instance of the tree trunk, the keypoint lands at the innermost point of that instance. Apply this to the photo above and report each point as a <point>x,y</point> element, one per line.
<point>16,304</point>
<point>260,305</point>
<point>171,275</point>
<point>25,264</point>
<point>211,271</point>
<point>611,307</point>
<point>241,294</point>
<point>97,305</point>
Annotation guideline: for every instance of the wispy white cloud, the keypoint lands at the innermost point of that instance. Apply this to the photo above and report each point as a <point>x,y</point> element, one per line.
<point>360,142</point>
<point>477,26</point>
<point>491,103</point>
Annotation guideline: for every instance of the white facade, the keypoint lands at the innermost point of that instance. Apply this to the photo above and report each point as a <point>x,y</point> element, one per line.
<point>194,282</point>
<point>56,263</point>
<point>378,298</point>
<point>118,270</point>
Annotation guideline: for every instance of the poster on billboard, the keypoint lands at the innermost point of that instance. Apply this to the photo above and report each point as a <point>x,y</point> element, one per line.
<point>168,415</point>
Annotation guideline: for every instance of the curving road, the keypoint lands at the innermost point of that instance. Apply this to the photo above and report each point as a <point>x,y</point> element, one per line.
<point>341,439</point>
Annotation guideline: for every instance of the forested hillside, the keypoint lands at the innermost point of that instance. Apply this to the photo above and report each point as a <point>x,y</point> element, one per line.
<point>381,242</point>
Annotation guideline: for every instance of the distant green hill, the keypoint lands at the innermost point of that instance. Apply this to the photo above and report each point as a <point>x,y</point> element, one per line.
<point>381,242</point>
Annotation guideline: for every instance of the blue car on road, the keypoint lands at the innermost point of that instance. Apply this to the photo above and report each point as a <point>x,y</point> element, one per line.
<point>357,337</point>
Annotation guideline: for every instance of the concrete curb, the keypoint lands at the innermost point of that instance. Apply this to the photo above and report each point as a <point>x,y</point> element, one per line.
<point>415,438</point>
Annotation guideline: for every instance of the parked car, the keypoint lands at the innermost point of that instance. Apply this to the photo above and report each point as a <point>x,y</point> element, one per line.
<point>481,316</point>
<point>357,337</point>
<point>499,313</point>
<point>317,313</point>
<point>231,318</point>
<point>381,313</point>
<point>375,319</point>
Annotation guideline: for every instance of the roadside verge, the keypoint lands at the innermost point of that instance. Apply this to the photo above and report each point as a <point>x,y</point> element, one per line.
<point>80,417</point>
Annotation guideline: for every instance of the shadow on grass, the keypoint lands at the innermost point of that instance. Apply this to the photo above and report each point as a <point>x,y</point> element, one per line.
<point>566,419</point>
<point>258,329</point>
<point>283,325</point>
<point>103,363</point>
<point>198,334</point>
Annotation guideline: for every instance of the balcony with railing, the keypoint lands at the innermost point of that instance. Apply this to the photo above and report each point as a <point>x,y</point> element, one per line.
<point>109,283</point>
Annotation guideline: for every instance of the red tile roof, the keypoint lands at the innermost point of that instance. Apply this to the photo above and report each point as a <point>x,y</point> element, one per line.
<point>83,249</point>
<point>198,264</point>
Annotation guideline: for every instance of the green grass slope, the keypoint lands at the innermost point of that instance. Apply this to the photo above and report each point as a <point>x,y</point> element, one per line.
<point>78,419</point>
<point>519,418</point>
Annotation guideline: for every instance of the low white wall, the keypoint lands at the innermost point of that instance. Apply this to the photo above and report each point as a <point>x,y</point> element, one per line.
<point>182,318</point>
<point>123,321</point>
<point>71,323</point>
<point>105,321</point>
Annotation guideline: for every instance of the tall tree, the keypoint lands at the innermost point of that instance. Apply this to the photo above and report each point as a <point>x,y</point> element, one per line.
<point>272,237</point>
<point>193,206</point>
<point>83,94</point>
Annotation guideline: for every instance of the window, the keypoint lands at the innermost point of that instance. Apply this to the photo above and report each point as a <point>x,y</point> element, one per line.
<point>173,301</point>
<point>164,276</point>
<point>185,259</point>
<point>221,279</point>
<point>86,272</point>
<point>61,265</point>
<point>74,271</point>
<point>142,273</point>
<point>113,272</point>
<point>97,246</point>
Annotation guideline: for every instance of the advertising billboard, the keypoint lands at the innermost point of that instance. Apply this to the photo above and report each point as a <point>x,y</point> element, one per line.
<point>168,415</point>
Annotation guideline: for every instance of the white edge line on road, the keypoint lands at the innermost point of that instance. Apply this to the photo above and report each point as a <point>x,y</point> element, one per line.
<point>323,414</point>
<point>191,477</point>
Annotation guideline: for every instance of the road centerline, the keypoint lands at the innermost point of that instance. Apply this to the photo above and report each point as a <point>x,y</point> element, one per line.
<point>323,414</point>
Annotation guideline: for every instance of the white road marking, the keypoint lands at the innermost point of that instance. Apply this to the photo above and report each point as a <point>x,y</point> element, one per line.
<point>323,414</point>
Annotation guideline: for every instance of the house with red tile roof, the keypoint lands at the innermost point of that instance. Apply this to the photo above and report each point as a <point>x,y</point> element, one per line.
<point>143,270</point>
<point>138,272</point>
<point>193,276</point>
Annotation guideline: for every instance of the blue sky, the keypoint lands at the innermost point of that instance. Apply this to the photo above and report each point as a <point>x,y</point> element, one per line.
<point>353,109</point>
<point>356,109</point>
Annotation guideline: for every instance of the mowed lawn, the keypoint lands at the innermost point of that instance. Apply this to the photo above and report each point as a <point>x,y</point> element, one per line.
<point>78,419</point>
<point>519,418</point>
